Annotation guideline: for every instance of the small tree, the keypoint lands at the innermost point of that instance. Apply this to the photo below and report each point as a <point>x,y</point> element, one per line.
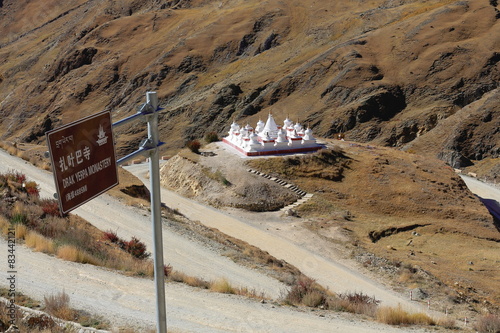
<point>194,146</point>
<point>211,137</point>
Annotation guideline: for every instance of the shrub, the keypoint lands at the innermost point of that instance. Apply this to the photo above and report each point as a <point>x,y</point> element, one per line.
<point>32,188</point>
<point>194,146</point>
<point>52,227</point>
<point>488,324</point>
<point>354,303</point>
<point>4,225</point>
<point>111,236</point>
<point>40,322</point>
<point>50,207</point>
<point>137,248</point>
<point>306,291</point>
<point>313,299</point>
<point>17,177</point>
<point>448,323</point>
<point>211,137</point>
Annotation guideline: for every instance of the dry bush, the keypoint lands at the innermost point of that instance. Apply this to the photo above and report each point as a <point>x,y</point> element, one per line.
<point>488,324</point>
<point>130,265</point>
<point>398,316</point>
<point>33,213</point>
<point>306,290</point>
<point>11,150</point>
<point>222,286</point>
<point>32,188</point>
<point>46,166</point>
<point>447,322</point>
<point>313,299</point>
<point>211,137</point>
<point>142,267</point>
<point>39,243</point>
<point>354,303</point>
<point>52,226</point>
<point>252,293</point>
<point>194,146</point>
<point>58,306</point>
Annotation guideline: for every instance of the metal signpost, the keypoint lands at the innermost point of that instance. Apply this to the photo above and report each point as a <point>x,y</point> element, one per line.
<point>149,147</point>
<point>83,159</point>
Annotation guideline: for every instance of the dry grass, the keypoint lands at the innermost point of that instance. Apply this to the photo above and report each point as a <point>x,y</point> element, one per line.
<point>71,253</point>
<point>488,324</point>
<point>313,298</point>
<point>39,243</point>
<point>192,281</point>
<point>58,306</point>
<point>222,286</point>
<point>398,316</point>
<point>4,225</point>
<point>20,231</point>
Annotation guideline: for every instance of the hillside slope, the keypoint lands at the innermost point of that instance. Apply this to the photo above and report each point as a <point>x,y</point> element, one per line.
<point>388,72</point>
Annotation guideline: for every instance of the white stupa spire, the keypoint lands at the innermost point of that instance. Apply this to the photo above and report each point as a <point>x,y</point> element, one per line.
<point>270,129</point>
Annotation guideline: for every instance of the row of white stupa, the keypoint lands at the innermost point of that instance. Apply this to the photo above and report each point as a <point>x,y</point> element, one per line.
<point>269,138</point>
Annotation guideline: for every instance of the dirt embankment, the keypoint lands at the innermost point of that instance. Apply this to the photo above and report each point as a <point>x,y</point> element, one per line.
<point>223,182</point>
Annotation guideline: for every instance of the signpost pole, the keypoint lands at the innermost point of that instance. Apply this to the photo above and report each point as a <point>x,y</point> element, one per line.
<point>154,175</point>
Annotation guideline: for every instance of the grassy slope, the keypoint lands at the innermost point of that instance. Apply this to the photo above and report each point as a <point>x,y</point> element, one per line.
<point>142,46</point>
<point>383,189</point>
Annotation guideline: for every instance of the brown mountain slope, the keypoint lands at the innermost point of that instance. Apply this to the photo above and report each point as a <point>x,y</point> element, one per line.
<point>386,72</point>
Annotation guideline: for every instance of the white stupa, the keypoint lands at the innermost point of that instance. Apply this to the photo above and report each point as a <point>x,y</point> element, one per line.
<point>270,139</point>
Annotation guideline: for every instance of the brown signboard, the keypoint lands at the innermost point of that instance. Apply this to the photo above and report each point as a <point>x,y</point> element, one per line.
<point>83,160</point>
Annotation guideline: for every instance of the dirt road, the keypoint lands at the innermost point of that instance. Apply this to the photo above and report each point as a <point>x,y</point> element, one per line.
<point>482,189</point>
<point>106,213</point>
<point>129,302</point>
<point>327,272</point>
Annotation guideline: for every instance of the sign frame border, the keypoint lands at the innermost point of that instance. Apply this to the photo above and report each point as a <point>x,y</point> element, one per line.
<point>76,122</point>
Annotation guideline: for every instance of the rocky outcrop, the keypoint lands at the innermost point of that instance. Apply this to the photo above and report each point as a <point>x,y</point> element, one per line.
<point>75,60</point>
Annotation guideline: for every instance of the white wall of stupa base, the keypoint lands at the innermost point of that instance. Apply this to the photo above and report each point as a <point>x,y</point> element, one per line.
<point>271,139</point>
